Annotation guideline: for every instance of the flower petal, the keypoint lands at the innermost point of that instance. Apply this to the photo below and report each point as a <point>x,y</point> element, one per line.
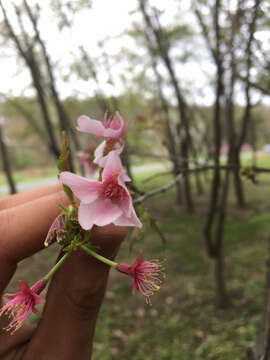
<point>38,299</point>
<point>99,158</point>
<point>100,212</point>
<point>23,286</point>
<point>88,125</point>
<point>138,261</point>
<point>134,286</point>
<point>132,220</point>
<point>117,128</point>
<point>86,190</point>
<point>113,166</point>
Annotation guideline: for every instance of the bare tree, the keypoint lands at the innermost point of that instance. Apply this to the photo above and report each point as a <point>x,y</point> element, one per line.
<point>64,121</point>
<point>25,50</point>
<point>225,39</point>
<point>156,32</point>
<point>5,160</point>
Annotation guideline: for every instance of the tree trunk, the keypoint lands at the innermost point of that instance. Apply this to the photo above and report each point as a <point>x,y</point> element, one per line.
<point>199,185</point>
<point>238,184</point>
<point>220,283</point>
<point>178,185</point>
<point>6,165</point>
<point>261,351</point>
<point>25,50</point>
<point>45,113</point>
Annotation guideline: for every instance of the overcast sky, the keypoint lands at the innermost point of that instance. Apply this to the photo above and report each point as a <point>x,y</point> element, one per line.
<point>106,19</point>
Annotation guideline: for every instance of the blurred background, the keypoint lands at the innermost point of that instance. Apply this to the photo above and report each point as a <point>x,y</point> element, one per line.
<point>192,79</point>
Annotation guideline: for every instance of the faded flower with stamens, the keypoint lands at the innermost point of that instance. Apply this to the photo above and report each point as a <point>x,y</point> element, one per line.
<point>56,231</point>
<point>103,202</point>
<point>22,304</point>
<point>146,275</point>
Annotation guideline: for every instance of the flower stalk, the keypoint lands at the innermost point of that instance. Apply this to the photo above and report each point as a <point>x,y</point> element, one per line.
<point>50,274</point>
<point>99,257</point>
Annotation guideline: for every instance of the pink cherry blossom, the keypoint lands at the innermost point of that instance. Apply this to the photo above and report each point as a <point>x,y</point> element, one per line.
<point>22,303</point>
<point>146,275</point>
<point>103,202</point>
<point>112,128</point>
<point>103,150</point>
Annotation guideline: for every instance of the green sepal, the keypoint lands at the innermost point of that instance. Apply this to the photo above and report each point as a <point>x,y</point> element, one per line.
<point>69,194</point>
<point>64,209</point>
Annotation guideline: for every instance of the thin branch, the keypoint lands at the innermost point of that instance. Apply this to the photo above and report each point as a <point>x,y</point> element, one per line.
<point>167,186</point>
<point>254,85</point>
<point>157,191</point>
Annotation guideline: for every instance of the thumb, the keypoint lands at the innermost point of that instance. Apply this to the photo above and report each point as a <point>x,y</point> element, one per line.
<point>74,297</point>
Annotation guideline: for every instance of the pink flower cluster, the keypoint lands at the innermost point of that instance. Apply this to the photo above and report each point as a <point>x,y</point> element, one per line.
<point>101,203</point>
<point>106,201</point>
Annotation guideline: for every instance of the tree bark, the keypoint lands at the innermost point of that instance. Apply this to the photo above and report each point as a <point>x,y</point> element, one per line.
<point>6,164</point>
<point>220,282</point>
<point>261,351</point>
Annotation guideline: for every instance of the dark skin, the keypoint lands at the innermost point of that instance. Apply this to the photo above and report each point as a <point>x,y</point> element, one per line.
<point>76,292</point>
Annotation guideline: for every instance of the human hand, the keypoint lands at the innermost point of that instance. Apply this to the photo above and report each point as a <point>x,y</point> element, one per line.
<point>75,294</point>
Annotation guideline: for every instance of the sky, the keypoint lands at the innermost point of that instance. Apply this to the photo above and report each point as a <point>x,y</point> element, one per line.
<point>105,20</point>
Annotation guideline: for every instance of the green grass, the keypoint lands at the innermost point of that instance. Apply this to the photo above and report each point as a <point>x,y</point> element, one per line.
<point>184,322</point>
<point>30,175</point>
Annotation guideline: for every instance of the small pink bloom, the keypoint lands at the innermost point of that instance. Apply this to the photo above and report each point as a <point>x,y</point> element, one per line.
<point>112,128</point>
<point>224,149</point>
<point>87,161</point>
<point>22,303</point>
<point>246,147</point>
<point>103,202</point>
<point>103,150</point>
<point>146,275</point>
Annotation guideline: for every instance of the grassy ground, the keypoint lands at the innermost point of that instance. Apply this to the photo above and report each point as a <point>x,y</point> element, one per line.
<point>29,174</point>
<point>183,323</point>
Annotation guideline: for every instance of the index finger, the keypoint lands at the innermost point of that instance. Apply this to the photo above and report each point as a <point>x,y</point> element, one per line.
<point>23,230</point>
<point>23,197</point>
